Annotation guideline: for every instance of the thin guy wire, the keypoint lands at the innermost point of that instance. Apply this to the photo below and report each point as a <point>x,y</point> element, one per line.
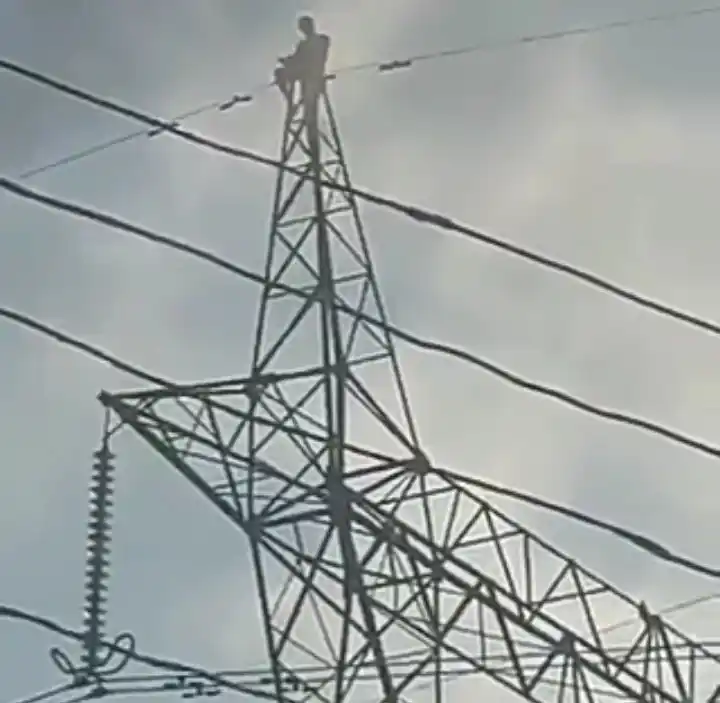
<point>414,212</point>
<point>533,39</point>
<point>117,141</point>
<point>51,693</point>
<point>381,67</point>
<point>667,610</point>
<point>116,224</point>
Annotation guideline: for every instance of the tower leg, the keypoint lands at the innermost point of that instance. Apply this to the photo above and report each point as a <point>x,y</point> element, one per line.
<point>364,556</point>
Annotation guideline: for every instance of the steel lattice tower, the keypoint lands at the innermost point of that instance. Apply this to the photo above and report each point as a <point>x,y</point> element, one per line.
<point>362,555</point>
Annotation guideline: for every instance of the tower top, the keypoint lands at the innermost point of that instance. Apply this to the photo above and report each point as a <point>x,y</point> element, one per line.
<point>365,556</point>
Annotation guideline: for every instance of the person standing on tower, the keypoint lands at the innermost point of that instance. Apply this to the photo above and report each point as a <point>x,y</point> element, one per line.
<point>307,63</point>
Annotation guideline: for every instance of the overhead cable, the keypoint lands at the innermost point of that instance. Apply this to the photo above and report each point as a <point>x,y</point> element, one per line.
<point>222,679</point>
<point>414,212</point>
<point>84,347</point>
<point>155,662</point>
<point>640,541</point>
<point>115,223</point>
<point>381,67</point>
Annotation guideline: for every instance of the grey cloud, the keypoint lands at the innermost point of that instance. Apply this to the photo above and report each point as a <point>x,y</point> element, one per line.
<point>129,50</point>
<point>135,52</point>
<point>685,72</point>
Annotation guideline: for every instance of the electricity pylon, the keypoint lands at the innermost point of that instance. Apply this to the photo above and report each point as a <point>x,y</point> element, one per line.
<point>363,552</point>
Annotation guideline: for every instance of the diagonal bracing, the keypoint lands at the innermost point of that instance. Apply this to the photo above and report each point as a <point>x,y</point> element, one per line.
<point>446,574</point>
<point>362,551</point>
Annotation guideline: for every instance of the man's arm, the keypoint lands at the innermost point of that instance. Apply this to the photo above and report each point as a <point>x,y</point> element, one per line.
<point>289,57</point>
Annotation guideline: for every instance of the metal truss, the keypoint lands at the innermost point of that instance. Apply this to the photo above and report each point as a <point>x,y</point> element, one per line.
<point>364,554</point>
<point>439,569</point>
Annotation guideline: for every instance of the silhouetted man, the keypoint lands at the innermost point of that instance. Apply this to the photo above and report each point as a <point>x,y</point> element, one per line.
<point>307,63</point>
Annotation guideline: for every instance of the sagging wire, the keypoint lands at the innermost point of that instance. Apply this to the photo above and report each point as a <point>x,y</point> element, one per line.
<point>116,223</point>
<point>381,67</point>
<point>121,647</point>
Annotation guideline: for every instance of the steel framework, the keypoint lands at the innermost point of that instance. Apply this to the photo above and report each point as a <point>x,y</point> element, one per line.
<point>364,553</point>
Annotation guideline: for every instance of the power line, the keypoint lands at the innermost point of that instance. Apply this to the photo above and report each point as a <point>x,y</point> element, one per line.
<point>84,347</point>
<point>637,539</point>
<point>118,224</point>
<point>381,67</point>
<point>414,212</point>
<point>216,105</point>
<point>547,636</point>
<point>313,674</point>
<point>221,678</point>
<point>130,653</point>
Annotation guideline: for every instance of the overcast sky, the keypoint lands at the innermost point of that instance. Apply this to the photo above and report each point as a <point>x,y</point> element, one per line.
<point>602,151</point>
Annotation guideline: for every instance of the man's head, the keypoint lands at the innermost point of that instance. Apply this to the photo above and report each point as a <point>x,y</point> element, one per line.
<point>306,25</point>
